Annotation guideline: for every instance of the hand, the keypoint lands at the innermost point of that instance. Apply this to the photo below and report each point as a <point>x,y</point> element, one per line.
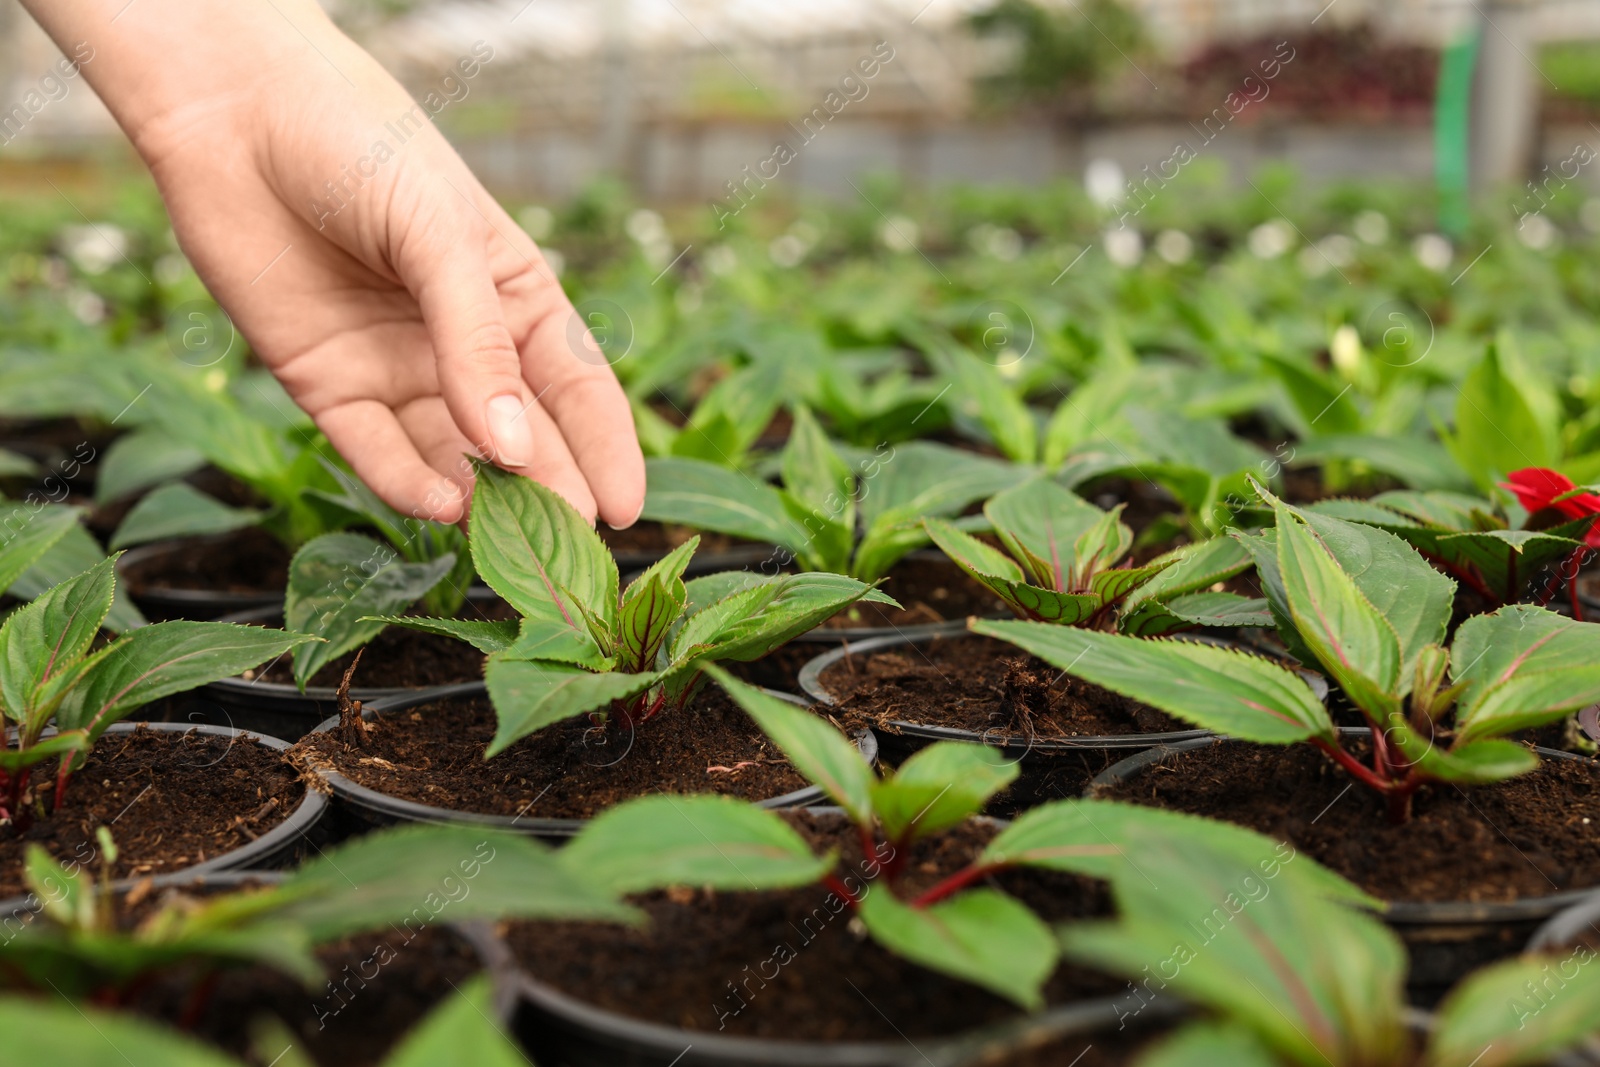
<point>398,304</point>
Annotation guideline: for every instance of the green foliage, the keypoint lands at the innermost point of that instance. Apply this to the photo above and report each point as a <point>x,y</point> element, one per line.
<point>815,515</point>
<point>1362,606</point>
<point>50,671</point>
<point>1065,562</point>
<point>584,646</point>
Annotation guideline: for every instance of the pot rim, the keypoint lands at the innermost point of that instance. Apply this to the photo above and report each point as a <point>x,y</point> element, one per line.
<point>1562,928</point>
<point>313,805</point>
<point>1395,912</point>
<point>811,683</point>
<point>353,792</point>
<point>184,597</point>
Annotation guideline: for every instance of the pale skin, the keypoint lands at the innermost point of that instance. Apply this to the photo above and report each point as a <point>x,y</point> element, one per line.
<point>415,324</point>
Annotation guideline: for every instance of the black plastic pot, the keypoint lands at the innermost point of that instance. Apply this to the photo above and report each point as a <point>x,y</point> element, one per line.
<point>360,808</point>
<point>283,845</point>
<point>1446,939</point>
<point>170,602</point>
<point>280,709</point>
<point>1564,928</point>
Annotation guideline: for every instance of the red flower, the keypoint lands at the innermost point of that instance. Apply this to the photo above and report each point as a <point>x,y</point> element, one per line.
<point>1538,487</point>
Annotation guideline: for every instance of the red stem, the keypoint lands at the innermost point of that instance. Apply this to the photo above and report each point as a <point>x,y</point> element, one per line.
<point>63,776</point>
<point>1572,589</point>
<point>831,880</point>
<point>1353,765</point>
<point>955,883</point>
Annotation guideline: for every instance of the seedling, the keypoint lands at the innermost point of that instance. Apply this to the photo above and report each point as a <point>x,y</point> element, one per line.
<point>1290,977</point>
<point>1066,561</point>
<point>48,673</point>
<point>338,581</point>
<point>583,646</point>
<point>1371,612</point>
<point>972,932</point>
<point>83,940</point>
<point>43,544</point>
<point>1471,540</point>
<point>814,516</point>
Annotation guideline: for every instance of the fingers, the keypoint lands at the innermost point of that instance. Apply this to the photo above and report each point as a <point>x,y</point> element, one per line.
<point>371,439</point>
<point>582,395</point>
<point>480,370</point>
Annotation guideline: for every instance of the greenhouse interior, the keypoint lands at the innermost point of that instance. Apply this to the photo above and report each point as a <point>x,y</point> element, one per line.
<point>870,533</point>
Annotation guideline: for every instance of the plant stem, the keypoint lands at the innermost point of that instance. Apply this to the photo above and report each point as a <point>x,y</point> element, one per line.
<point>1400,798</point>
<point>955,883</point>
<point>1572,590</point>
<point>831,880</point>
<point>1353,765</point>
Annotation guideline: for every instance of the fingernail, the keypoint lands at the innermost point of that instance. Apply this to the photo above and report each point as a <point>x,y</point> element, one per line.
<point>508,430</point>
<point>631,521</point>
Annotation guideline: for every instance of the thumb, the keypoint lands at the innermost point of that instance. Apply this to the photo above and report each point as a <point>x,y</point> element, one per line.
<point>480,371</point>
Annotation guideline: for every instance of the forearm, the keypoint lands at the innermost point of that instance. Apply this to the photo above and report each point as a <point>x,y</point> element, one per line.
<point>155,61</point>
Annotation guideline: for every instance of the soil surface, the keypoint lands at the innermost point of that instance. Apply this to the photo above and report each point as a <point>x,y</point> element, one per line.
<point>245,561</point>
<point>571,769</point>
<point>1529,837</point>
<point>398,658</point>
<point>171,801</point>
<point>983,685</point>
<point>929,589</point>
<point>380,986</point>
<point>646,536</point>
<point>794,959</point>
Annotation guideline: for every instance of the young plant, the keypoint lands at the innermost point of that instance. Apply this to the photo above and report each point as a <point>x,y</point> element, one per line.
<point>1371,613</point>
<point>1290,977</point>
<point>339,581</point>
<point>460,1030</point>
<point>958,926</point>
<point>83,943</point>
<point>51,673</point>
<point>583,646</point>
<point>726,423</point>
<point>1066,562</point>
<point>265,445</point>
<point>1470,539</point>
<point>43,544</point>
<point>814,516</point>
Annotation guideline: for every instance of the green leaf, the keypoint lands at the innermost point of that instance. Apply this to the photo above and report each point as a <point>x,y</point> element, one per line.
<point>1319,400</point>
<point>1154,618</point>
<point>1497,428</point>
<point>980,936</point>
<point>1520,639</point>
<point>139,460</point>
<point>486,637</point>
<point>177,509</point>
<point>26,533</point>
<point>731,415</point>
<point>59,1031</point>
<point>14,465</point>
<point>1191,569</point>
<point>815,476</point>
<point>1206,1045</point>
<point>61,892</point>
<point>938,787</point>
<point>1527,700</point>
<point>663,841</point>
<point>1354,643</point>
<point>750,624</point>
<point>691,492</point>
<point>1079,417</point>
<point>338,582</point>
<point>994,570</point>
<point>421,873</point>
<point>822,755</point>
<point>922,478</point>
<point>1041,524</point>
<point>162,659</point>
<point>1468,762</point>
<point>1231,692</point>
<point>1103,839</point>
<point>1517,1013</point>
<point>47,638</point>
<point>650,605</point>
<point>460,1030</point>
<point>76,552</point>
<point>979,392</point>
<point>1415,461</point>
<point>538,553</point>
<point>529,695</point>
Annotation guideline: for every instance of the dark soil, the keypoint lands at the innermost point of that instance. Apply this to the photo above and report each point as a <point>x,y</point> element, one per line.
<point>171,801</point>
<point>983,685</point>
<point>245,561</point>
<point>929,589</point>
<point>380,986</point>
<point>646,536</point>
<point>780,668</point>
<point>800,968</point>
<point>1529,837</point>
<point>396,658</point>
<point>434,755</point>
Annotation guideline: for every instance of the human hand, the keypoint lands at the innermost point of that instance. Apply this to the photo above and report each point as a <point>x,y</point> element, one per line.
<point>398,304</point>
